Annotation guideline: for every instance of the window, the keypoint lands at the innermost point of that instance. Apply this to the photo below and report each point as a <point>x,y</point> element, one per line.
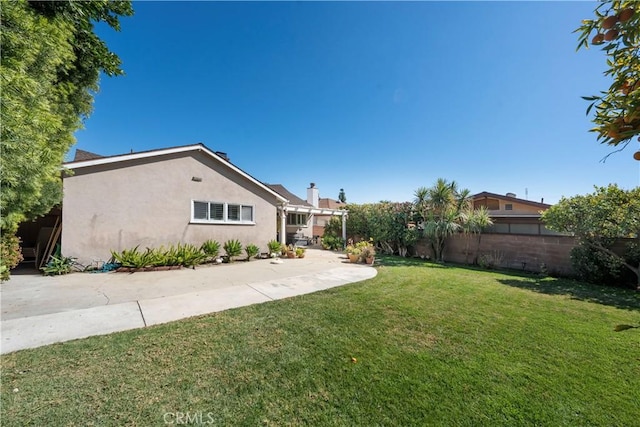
<point>221,213</point>
<point>216,211</point>
<point>296,219</point>
<point>233,212</point>
<point>493,204</point>
<point>508,207</point>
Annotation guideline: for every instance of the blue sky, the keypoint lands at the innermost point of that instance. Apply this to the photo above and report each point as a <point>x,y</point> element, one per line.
<point>377,98</point>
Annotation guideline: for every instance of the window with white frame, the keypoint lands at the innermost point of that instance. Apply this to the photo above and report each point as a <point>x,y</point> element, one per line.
<point>221,213</point>
<point>296,219</point>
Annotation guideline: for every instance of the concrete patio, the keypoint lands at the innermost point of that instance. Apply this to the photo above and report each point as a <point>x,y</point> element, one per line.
<point>38,310</point>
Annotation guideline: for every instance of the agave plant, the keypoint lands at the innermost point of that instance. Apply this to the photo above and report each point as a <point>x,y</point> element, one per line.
<point>190,255</point>
<point>274,247</point>
<point>251,250</point>
<point>210,248</point>
<point>233,248</point>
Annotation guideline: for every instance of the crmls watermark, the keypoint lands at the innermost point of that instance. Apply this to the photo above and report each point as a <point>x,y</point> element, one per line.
<point>188,418</point>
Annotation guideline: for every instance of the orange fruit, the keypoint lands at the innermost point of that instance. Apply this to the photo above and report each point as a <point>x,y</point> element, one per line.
<point>625,14</point>
<point>610,35</point>
<point>625,88</point>
<point>609,22</point>
<point>598,39</point>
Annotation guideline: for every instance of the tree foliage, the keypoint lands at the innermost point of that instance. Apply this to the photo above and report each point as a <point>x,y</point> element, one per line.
<point>616,28</point>
<point>389,224</point>
<point>49,71</point>
<point>598,219</point>
<point>442,210</point>
<point>445,210</point>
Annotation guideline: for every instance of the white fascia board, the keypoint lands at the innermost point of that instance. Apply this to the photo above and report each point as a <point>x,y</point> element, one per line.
<point>164,152</point>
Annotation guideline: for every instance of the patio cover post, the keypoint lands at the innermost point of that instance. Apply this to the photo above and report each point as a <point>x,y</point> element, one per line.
<point>344,227</point>
<point>283,226</point>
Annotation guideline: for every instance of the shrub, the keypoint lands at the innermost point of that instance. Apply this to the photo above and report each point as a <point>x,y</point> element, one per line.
<point>332,243</point>
<point>186,255</point>
<point>233,248</point>
<point>131,258</point>
<point>491,260</point>
<point>595,266</point>
<point>10,254</point>
<point>190,255</point>
<point>300,252</point>
<point>333,228</point>
<point>210,248</point>
<point>274,247</point>
<point>58,265</point>
<point>252,251</point>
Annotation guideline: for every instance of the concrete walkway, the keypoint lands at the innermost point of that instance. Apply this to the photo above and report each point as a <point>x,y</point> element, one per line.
<point>38,310</point>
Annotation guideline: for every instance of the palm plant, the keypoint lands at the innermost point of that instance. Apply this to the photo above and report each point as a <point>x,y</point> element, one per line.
<point>441,208</point>
<point>475,220</point>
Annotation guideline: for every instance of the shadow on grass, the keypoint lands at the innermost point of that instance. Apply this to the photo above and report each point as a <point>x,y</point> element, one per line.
<point>627,299</point>
<point>617,297</point>
<point>397,261</point>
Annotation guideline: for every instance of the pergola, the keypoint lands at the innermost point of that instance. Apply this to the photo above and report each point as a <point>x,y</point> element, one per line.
<point>286,208</point>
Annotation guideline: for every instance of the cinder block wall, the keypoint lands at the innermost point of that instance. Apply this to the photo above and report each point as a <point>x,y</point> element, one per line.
<point>520,252</point>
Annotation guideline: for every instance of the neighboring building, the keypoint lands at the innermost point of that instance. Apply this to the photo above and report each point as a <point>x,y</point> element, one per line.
<point>512,215</point>
<point>182,194</point>
<point>320,221</point>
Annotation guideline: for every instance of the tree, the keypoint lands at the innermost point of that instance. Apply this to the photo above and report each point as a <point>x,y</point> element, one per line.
<point>341,196</point>
<point>598,219</point>
<point>441,208</point>
<point>474,222</point>
<point>49,71</point>
<point>616,28</point>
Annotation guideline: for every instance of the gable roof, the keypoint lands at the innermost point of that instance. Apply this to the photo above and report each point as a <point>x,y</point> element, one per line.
<point>293,199</point>
<point>221,158</point>
<point>85,155</point>
<point>326,202</point>
<point>510,199</point>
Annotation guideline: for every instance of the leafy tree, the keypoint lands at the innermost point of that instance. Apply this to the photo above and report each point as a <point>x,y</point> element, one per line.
<point>616,28</point>
<point>341,196</point>
<point>598,219</point>
<point>49,70</point>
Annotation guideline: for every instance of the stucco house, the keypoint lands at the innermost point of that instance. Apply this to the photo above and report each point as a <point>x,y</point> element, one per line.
<point>182,194</point>
<point>512,215</point>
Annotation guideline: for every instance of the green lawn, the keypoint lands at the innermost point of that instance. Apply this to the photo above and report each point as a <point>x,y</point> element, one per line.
<point>433,345</point>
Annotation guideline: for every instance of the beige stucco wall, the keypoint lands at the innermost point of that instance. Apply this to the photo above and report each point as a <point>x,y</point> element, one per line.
<point>518,209</point>
<point>147,202</point>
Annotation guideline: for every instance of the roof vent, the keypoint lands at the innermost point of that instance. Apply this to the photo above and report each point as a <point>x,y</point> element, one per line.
<point>511,194</point>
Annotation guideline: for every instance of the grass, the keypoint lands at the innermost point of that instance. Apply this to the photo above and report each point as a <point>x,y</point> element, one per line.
<point>420,344</point>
